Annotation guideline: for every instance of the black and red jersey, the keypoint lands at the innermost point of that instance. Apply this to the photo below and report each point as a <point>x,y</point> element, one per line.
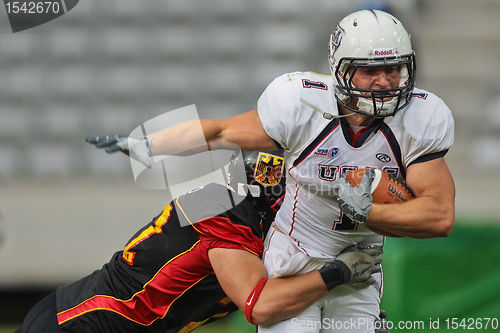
<point>162,281</point>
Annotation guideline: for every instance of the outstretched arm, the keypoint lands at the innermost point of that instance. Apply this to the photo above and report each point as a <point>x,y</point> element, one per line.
<point>244,130</point>
<point>241,132</point>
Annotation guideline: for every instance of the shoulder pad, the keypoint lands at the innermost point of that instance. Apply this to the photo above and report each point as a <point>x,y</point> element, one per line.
<point>208,201</point>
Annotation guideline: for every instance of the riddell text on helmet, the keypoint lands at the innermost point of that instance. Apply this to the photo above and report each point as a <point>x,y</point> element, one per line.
<point>383,52</point>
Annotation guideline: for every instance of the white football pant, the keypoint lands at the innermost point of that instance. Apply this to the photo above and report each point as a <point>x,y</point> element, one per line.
<point>345,309</point>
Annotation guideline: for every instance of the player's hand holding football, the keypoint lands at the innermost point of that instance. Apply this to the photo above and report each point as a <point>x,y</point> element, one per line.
<point>138,149</point>
<point>356,202</point>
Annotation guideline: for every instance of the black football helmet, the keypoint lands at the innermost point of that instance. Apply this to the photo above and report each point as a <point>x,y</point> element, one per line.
<point>263,176</point>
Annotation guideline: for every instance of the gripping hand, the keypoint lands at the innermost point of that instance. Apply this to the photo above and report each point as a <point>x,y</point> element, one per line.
<point>359,263</point>
<point>356,202</point>
<point>138,149</point>
<point>354,265</point>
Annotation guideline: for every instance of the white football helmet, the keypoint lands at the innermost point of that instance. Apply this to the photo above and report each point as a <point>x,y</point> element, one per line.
<point>370,38</point>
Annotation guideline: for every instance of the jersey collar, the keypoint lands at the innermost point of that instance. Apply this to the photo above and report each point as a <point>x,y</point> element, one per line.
<point>356,140</point>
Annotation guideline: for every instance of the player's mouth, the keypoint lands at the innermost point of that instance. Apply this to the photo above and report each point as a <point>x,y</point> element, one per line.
<point>382,97</point>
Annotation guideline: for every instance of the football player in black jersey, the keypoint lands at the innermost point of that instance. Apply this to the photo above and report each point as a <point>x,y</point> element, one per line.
<point>191,265</point>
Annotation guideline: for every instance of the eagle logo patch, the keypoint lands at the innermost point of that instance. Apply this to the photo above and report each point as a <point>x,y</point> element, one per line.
<point>269,169</point>
<point>335,39</point>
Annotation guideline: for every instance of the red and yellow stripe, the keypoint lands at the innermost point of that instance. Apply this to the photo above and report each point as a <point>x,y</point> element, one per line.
<point>175,278</point>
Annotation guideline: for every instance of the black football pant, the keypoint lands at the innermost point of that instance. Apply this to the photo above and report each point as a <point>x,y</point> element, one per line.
<point>42,318</point>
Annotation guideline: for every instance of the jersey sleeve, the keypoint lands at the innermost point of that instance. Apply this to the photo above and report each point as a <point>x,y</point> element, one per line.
<point>430,131</point>
<point>202,209</point>
<point>219,231</point>
<point>204,202</point>
<point>278,110</point>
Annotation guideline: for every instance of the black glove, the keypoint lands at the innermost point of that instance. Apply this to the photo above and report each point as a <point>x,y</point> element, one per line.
<point>138,149</point>
<point>354,265</point>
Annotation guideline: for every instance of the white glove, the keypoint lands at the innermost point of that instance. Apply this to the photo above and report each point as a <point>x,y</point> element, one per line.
<point>356,202</point>
<point>354,265</point>
<point>139,149</point>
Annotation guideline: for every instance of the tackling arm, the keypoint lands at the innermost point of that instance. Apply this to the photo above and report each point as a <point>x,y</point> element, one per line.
<point>430,214</point>
<point>241,273</point>
<point>238,272</point>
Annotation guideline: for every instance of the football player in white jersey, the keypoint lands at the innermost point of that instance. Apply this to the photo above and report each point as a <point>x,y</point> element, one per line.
<point>366,114</point>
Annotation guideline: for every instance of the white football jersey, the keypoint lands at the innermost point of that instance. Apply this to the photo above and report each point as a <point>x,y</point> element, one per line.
<point>319,150</point>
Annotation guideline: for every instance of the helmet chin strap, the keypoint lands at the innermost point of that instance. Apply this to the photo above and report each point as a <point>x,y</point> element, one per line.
<point>325,115</point>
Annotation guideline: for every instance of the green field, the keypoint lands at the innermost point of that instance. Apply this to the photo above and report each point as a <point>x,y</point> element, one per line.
<point>8,329</point>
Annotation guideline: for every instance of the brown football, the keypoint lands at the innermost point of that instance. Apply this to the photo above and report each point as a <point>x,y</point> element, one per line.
<point>386,188</point>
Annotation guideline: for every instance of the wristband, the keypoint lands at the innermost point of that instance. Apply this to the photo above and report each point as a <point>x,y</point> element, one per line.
<point>335,273</point>
<point>252,299</point>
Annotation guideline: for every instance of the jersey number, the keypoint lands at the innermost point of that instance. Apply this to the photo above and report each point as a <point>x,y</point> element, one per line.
<point>314,84</point>
<point>345,224</point>
<point>156,228</point>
